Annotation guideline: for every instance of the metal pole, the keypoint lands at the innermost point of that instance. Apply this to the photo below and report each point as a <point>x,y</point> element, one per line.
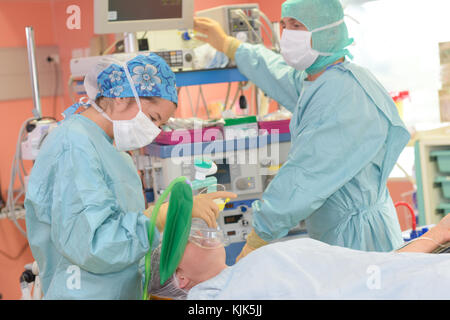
<point>37,111</point>
<point>130,42</point>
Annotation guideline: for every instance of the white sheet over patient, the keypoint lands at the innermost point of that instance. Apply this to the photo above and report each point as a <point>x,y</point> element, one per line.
<point>309,269</point>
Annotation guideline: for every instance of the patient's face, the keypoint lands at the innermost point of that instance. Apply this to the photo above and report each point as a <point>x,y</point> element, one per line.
<point>199,264</point>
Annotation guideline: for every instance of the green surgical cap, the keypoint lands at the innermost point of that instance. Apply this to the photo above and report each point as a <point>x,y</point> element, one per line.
<point>316,14</point>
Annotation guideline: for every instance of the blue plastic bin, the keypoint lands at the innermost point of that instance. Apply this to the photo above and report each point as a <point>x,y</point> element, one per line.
<point>444,208</point>
<point>443,159</point>
<point>445,185</point>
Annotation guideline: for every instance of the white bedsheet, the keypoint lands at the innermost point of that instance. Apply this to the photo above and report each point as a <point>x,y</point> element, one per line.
<point>309,269</point>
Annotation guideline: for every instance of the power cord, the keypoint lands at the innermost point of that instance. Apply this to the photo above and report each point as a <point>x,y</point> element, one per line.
<point>2,202</point>
<point>55,63</point>
<point>17,256</point>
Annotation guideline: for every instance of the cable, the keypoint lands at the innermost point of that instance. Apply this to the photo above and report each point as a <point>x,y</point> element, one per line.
<point>22,167</point>
<point>227,96</point>
<point>21,252</point>
<point>55,98</point>
<point>214,185</point>
<point>236,95</point>
<point>275,40</point>
<point>16,170</point>
<point>411,179</point>
<point>265,31</point>
<point>70,85</point>
<point>110,47</point>
<point>190,100</point>
<point>204,101</point>
<point>2,202</point>
<point>50,60</point>
<point>241,14</point>
<point>411,212</point>
<point>426,238</point>
<point>198,104</point>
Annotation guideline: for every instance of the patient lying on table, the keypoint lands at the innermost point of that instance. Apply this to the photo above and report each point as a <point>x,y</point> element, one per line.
<point>309,269</point>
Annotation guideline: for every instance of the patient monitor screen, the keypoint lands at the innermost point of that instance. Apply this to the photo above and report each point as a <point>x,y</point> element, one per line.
<point>223,173</point>
<point>120,10</point>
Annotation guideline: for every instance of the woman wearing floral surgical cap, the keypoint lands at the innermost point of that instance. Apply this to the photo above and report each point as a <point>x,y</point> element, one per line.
<point>85,210</point>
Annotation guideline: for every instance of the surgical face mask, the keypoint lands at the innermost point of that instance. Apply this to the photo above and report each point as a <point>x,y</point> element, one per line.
<point>296,47</point>
<point>134,133</point>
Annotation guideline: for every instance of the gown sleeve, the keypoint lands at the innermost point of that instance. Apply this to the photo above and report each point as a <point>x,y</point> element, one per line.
<point>340,132</point>
<point>270,73</point>
<point>88,225</point>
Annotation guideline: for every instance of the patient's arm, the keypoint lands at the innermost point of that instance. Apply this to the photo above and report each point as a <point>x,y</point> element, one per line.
<point>430,241</point>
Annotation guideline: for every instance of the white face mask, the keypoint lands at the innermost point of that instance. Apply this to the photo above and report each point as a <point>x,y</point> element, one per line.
<point>296,47</point>
<point>134,133</point>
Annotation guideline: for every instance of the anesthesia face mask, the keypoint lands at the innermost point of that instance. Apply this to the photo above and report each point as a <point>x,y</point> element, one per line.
<point>206,237</point>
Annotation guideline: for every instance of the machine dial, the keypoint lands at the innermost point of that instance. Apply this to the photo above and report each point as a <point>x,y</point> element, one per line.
<point>242,36</point>
<point>244,222</point>
<point>265,163</point>
<point>244,184</point>
<point>188,57</point>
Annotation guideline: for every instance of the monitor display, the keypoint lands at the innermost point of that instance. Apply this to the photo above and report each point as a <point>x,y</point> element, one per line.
<point>223,173</point>
<point>120,16</point>
<point>233,219</point>
<point>120,10</point>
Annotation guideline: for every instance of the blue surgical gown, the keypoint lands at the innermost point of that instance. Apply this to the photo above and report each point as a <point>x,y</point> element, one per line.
<point>312,270</point>
<point>346,136</point>
<point>84,216</point>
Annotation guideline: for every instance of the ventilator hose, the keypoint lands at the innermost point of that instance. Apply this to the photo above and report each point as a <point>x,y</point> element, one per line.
<point>411,211</point>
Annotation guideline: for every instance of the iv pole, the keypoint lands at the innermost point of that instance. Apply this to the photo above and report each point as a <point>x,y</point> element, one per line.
<point>37,111</point>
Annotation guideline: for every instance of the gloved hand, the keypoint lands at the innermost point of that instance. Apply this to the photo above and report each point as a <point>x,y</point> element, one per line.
<point>203,207</point>
<point>253,242</point>
<point>161,217</point>
<point>216,36</point>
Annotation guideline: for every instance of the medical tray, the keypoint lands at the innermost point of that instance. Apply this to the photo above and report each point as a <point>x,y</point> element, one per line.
<point>443,159</point>
<point>240,127</point>
<point>174,137</point>
<point>271,126</point>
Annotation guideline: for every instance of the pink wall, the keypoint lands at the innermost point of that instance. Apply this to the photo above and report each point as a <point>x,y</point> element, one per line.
<point>13,20</point>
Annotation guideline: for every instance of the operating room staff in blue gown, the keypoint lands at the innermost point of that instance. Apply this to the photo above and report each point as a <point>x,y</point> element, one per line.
<point>85,210</point>
<point>346,134</point>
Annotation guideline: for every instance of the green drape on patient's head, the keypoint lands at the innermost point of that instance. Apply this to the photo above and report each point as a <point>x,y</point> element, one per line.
<point>316,14</point>
<point>176,230</point>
